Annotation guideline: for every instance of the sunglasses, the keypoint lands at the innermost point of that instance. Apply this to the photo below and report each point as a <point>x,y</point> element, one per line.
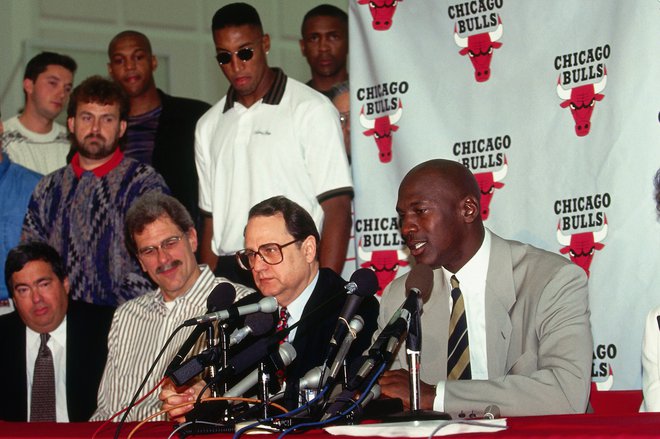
<point>245,54</point>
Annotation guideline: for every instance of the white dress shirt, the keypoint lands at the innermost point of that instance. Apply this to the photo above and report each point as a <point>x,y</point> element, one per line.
<point>57,345</point>
<point>472,282</point>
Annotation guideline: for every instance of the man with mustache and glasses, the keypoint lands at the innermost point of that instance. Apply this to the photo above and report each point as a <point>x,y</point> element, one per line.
<point>161,234</point>
<point>269,135</point>
<point>80,209</point>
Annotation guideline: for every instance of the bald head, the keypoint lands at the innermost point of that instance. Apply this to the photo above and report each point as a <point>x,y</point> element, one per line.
<point>133,34</point>
<point>439,210</point>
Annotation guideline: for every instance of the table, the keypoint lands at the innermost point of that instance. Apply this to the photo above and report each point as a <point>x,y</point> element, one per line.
<point>640,425</point>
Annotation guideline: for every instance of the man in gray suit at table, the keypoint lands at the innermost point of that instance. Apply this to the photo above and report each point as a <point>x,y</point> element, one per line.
<point>525,343</point>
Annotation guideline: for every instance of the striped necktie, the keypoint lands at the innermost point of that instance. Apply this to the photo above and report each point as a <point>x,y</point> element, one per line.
<point>458,356</point>
<point>42,404</point>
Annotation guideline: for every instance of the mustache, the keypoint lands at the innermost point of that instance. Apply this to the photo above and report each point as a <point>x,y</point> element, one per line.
<point>95,136</point>
<point>169,266</point>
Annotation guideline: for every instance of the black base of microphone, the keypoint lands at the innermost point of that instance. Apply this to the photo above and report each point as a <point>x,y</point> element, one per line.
<point>417,415</point>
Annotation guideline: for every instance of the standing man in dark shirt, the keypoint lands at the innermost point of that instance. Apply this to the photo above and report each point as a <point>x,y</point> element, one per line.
<point>161,128</point>
<point>324,44</point>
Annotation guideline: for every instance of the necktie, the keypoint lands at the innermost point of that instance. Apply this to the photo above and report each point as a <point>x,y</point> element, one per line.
<point>283,323</point>
<point>42,405</point>
<point>458,356</point>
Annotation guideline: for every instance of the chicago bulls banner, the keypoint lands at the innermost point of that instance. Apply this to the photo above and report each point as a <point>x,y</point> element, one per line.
<point>554,106</point>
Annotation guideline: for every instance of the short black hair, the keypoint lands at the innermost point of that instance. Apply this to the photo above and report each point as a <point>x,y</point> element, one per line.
<point>298,221</point>
<point>324,10</point>
<point>26,252</point>
<point>150,207</point>
<point>39,63</point>
<point>236,14</point>
<point>101,91</point>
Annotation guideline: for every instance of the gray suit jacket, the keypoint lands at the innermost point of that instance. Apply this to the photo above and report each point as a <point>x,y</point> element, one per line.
<point>539,342</point>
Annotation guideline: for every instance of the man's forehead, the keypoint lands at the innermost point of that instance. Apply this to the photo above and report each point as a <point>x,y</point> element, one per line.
<point>323,23</point>
<point>266,228</point>
<point>130,44</point>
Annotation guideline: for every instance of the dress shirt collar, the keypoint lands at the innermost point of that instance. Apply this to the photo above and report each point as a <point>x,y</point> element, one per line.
<point>272,97</point>
<point>58,336</point>
<point>297,307</point>
<point>472,275</point>
<point>102,170</point>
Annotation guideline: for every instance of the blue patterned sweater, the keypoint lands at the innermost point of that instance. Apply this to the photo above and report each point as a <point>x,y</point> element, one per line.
<point>83,219</point>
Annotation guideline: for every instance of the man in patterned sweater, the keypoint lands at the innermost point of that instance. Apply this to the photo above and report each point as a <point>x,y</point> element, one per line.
<point>80,209</point>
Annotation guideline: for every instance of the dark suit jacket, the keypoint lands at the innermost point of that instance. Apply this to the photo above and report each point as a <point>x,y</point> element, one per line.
<point>86,351</point>
<point>174,148</point>
<point>313,334</point>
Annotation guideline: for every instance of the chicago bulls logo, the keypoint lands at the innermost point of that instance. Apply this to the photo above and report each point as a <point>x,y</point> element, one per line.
<point>382,128</point>
<point>385,263</point>
<point>382,12</point>
<point>581,247</point>
<point>488,182</point>
<point>582,100</point>
<point>480,49</point>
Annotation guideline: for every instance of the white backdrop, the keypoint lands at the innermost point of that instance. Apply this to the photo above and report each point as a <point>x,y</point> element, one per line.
<point>415,82</point>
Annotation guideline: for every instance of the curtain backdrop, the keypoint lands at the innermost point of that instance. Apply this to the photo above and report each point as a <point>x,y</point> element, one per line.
<point>553,105</point>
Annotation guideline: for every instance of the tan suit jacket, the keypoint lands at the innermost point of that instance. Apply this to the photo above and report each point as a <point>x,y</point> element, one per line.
<point>539,342</point>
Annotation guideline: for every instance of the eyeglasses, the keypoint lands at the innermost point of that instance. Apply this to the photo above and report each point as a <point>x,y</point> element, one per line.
<point>245,54</point>
<point>344,118</point>
<point>270,253</point>
<point>152,250</point>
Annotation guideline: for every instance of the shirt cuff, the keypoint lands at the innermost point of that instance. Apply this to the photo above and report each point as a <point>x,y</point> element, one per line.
<point>439,401</point>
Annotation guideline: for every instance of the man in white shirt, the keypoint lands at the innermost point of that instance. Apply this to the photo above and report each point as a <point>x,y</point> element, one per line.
<point>32,138</point>
<point>528,342</point>
<point>161,234</point>
<point>270,135</point>
<point>75,334</point>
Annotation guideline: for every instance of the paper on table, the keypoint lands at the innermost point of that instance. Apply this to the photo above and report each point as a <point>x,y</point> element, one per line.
<point>419,428</point>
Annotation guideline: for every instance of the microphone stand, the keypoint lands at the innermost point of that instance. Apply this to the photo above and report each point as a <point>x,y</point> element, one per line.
<point>264,382</point>
<point>413,355</point>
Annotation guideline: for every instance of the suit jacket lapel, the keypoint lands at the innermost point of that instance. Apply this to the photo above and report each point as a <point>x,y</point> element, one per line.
<point>500,297</point>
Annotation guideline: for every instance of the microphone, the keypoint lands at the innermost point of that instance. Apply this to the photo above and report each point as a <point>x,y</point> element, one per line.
<point>312,379</point>
<point>492,412</point>
<point>221,297</point>
<point>266,305</point>
<point>256,324</point>
<point>363,283</point>
<point>356,325</point>
<point>283,357</point>
<point>419,285</point>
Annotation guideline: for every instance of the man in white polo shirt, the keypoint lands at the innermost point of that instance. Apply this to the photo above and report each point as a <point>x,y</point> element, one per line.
<point>270,135</point>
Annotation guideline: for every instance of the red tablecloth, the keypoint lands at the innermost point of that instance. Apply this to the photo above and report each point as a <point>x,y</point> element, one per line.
<point>641,425</point>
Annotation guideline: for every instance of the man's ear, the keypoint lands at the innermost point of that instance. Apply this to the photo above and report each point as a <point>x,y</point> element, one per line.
<point>71,123</point>
<point>309,248</point>
<point>471,208</point>
<point>28,86</point>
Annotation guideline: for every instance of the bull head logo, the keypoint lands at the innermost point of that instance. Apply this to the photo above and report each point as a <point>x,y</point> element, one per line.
<point>488,182</point>
<point>381,128</point>
<point>480,49</point>
<point>385,263</point>
<point>582,100</point>
<point>581,247</point>
<point>382,12</point>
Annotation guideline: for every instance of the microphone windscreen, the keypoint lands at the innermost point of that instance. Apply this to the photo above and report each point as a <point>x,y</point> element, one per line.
<point>421,278</point>
<point>260,322</point>
<point>221,297</point>
<point>366,281</point>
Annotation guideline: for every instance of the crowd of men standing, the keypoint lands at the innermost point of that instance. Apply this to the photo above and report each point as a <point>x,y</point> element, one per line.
<point>151,200</point>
